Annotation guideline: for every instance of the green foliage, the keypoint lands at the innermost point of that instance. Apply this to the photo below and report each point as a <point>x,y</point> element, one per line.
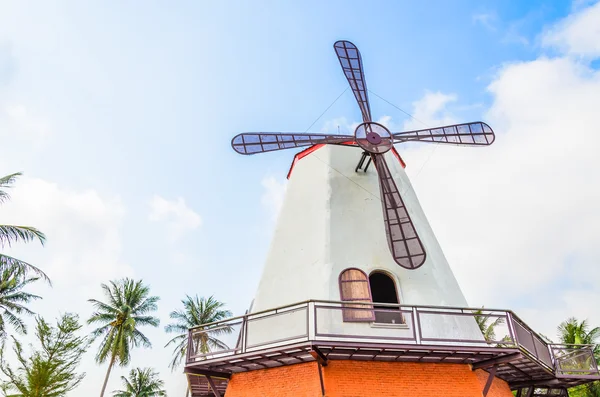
<point>196,311</point>
<point>572,331</point>
<point>128,307</point>
<point>50,370</point>
<point>585,390</point>
<point>10,234</point>
<point>486,326</point>
<point>12,281</point>
<point>141,383</point>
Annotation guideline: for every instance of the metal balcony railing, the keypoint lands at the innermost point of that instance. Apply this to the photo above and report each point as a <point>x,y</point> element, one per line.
<point>344,322</point>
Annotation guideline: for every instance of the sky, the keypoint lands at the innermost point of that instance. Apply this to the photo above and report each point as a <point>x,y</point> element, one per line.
<point>120,116</point>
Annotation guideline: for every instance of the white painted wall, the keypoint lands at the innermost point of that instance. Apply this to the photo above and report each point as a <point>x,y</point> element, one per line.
<point>331,220</point>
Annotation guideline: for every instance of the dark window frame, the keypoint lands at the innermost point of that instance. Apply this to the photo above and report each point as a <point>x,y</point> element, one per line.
<point>397,293</point>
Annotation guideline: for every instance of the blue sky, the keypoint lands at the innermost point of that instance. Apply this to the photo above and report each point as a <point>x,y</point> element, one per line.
<point>120,116</point>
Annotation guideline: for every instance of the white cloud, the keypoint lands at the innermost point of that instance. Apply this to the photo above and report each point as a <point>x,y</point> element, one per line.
<point>179,218</point>
<point>431,110</point>
<point>486,19</point>
<point>578,34</point>
<point>83,230</point>
<point>519,221</point>
<point>17,122</point>
<point>273,194</point>
<point>84,248</point>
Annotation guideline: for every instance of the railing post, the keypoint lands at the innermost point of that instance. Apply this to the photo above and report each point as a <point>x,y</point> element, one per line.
<point>245,333</point>
<point>188,353</point>
<point>309,320</point>
<point>511,331</point>
<point>553,357</point>
<point>417,325</point>
<point>535,350</point>
<point>511,327</point>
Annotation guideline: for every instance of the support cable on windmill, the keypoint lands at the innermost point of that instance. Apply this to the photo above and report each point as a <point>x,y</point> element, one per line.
<point>375,139</point>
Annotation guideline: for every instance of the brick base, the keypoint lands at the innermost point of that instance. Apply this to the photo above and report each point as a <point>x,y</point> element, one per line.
<point>366,378</point>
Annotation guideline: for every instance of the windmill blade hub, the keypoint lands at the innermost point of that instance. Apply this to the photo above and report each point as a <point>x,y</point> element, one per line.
<point>373,137</point>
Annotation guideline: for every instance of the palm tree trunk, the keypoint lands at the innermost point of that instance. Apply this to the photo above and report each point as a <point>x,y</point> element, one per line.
<point>112,361</point>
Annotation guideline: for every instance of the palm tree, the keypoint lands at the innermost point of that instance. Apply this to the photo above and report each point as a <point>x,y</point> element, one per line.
<point>488,329</point>
<point>128,307</point>
<point>11,233</point>
<point>13,279</point>
<point>572,331</point>
<point>141,383</point>
<point>196,311</point>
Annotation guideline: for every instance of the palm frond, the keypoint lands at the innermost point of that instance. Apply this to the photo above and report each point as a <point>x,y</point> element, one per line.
<point>8,261</point>
<point>12,298</point>
<point>12,233</point>
<point>15,321</point>
<point>142,382</point>
<point>177,339</point>
<point>147,320</point>
<point>103,306</point>
<point>170,328</point>
<point>99,317</point>
<point>216,344</point>
<point>127,307</point>
<point>141,338</point>
<point>6,182</point>
<point>196,312</point>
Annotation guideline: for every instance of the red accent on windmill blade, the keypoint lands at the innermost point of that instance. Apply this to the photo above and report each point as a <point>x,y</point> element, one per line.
<point>402,163</point>
<point>406,247</point>
<point>404,242</point>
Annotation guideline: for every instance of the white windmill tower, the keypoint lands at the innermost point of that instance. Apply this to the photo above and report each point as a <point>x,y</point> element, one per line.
<point>332,232</point>
<point>346,307</point>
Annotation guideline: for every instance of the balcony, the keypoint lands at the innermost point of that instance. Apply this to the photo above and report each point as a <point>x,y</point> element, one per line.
<point>328,330</point>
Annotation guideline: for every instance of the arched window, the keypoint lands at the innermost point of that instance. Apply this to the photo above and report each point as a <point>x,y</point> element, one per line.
<point>383,290</point>
<point>354,286</point>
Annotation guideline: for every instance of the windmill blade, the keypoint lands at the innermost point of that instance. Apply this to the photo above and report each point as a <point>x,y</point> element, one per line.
<point>259,142</point>
<point>472,134</point>
<point>405,245</point>
<point>351,62</point>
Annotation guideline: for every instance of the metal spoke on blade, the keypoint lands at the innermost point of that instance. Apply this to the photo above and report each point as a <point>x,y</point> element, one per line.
<point>405,245</point>
<point>259,142</point>
<point>351,63</point>
<point>470,134</point>
<point>375,139</point>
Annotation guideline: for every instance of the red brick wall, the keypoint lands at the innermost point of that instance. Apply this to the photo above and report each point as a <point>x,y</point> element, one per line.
<point>300,380</point>
<point>499,387</point>
<point>345,378</point>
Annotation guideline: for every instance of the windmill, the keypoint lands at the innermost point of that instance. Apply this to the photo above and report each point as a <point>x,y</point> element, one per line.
<point>334,314</point>
<point>375,139</point>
